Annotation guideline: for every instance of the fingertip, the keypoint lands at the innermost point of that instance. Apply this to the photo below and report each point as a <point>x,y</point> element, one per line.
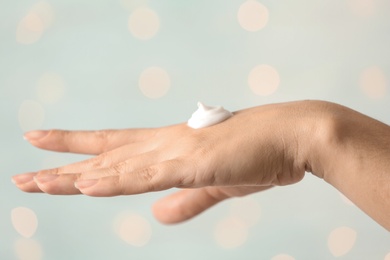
<point>23,178</point>
<point>35,135</point>
<point>52,140</point>
<point>162,215</point>
<point>172,209</point>
<point>158,213</point>
<point>44,139</point>
<point>25,182</point>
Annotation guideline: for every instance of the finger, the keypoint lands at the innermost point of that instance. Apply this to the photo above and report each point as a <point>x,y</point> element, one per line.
<point>103,160</point>
<point>25,182</point>
<point>186,204</point>
<point>48,183</point>
<point>157,177</point>
<point>86,142</point>
<point>124,166</point>
<point>45,179</point>
<point>62,183</point>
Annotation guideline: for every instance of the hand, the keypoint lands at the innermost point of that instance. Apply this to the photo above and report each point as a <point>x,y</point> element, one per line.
<point>255,149</point>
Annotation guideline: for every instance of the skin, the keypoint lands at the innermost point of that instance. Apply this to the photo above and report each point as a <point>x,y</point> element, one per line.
<point>256,149</point>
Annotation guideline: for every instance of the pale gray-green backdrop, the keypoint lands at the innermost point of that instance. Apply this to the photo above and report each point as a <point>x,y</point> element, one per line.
<point>145,63</point>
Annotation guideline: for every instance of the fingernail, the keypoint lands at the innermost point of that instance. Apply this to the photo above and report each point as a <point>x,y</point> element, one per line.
<point>23,178</point>
<point>35,135</point>
<point>82,184</point>
<point>45,178</point>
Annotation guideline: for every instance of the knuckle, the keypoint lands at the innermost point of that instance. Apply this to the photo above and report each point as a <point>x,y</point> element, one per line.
<point>119,168</point>
<point>147,178</point>
<point>148,174</point>
<point>102,137</point>
<point>187,181</point>
<point>181,177</point>
<point>143,180</point>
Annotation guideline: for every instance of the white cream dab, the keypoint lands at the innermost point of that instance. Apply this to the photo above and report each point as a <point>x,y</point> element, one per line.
<point>207,116</point>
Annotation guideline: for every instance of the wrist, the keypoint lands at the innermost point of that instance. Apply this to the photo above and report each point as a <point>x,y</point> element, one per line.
<point>351,152</point>
<point>319,137</point>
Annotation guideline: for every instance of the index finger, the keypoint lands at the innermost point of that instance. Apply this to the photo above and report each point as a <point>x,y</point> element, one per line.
<point>87,142</point>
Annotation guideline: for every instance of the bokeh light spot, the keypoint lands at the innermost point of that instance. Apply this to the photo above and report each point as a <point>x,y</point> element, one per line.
<point>133,229</point>
<point>283,257</point>
<point>24,221</point>
<point>50,87</point>
<point>231,232</point>
<point>252,16</point>
<point>341,240</point>
<point>154,82</point>
<point>144,23</point>
<point>31,115</point>
<point>45,12</point>
<point>263,80</point>
<point>363,8</point>
<point>373,82</point>
<point>28,249</point>
<point>30,29</point>
<point>247,209</point>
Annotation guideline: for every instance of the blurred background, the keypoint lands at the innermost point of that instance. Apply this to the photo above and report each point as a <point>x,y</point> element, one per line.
<point>145,63</point>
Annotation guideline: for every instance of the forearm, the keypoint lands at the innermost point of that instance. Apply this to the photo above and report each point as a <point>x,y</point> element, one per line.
<point>353,155</point>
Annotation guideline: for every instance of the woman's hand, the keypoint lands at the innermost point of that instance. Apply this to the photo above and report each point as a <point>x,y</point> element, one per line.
<point>254,150</point>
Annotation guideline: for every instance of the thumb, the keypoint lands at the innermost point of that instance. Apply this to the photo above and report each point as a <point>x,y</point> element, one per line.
<point>186,204</point>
